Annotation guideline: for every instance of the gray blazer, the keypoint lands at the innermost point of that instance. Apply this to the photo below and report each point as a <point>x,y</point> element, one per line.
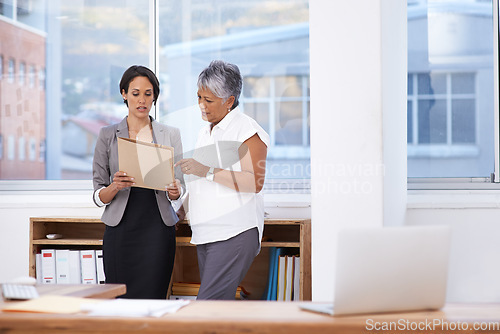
<point>106,165</point>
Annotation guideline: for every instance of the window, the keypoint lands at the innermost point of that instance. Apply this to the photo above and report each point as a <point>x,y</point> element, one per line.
<point>6,8</point>
<point>1,67</point>
<point>11,148</point>
<point>442,116</point>
<point>32,149</point>
<point>22,73</point>
<point>281,106</point>
<point>41,150</point>
<point>22,149</point>
<point>41,79</point>
<point>31,76</point>
<point>95,41</point>
<point>284,103</point>
<point>269,41</point>
<point>450,109</point>
<point>12,71</point>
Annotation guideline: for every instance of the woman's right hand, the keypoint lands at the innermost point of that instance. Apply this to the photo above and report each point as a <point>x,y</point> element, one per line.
<point>121,180</point>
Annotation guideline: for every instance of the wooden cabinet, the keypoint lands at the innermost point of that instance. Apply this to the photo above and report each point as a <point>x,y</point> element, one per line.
<point>77,233</point>
<point>87,233</point>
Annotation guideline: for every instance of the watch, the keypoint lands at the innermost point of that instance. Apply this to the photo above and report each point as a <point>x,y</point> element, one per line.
<point>210,174</point>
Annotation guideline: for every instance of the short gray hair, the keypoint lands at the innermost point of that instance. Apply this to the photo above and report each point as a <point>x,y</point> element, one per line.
<point>223,79</point>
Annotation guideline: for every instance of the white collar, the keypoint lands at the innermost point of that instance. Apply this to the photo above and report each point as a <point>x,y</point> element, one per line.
<point>224,123</point>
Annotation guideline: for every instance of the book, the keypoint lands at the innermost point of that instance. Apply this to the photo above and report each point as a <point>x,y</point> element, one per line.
<point>296,278</point>
<point>48,266</point>
<point>290,261</point>
<point>88,266</point>
<point>62,266</point>
<point>75,273</point>
<point>100,267</point>
<point>151,165</point>
<point>281,278</point>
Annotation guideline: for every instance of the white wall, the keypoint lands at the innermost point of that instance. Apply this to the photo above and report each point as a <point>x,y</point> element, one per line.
<point>474,217</point>
<point>16,208</point>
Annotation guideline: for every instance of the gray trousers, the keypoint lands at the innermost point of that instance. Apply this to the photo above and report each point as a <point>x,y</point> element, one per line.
<point>224,264</point>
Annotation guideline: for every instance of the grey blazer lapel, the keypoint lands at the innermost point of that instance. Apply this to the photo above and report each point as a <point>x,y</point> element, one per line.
<point>159,134</point>
<point>122,129</point>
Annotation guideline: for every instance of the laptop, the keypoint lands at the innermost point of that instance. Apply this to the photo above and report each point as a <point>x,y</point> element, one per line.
<point>389,269</point>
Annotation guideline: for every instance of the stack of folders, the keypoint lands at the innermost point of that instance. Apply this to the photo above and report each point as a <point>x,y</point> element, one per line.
<point>64,266</point>
<point>284,275</point>
<point>187,290</point>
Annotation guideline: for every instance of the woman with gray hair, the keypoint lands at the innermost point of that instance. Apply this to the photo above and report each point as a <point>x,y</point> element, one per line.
<point>224,179</point>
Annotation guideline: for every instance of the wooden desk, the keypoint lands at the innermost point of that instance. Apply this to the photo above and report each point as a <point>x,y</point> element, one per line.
<point>255,317</point>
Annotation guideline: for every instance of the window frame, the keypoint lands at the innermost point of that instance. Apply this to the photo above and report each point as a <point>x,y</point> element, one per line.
<point>275,186</point>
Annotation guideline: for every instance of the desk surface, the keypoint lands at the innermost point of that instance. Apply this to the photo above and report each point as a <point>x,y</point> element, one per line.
<point>259,317</point>
<point>246,317</point>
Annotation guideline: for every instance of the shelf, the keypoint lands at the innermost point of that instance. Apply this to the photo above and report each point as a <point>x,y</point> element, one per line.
<point>186,242</point>
<point>68,242</point>
<point>280,244</point>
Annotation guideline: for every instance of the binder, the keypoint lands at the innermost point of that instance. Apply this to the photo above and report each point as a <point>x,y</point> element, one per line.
<point>75,273</point>
<point>296,278</point>
<point>48,266</point>
<point>274,291</point>
<point>281,278</point>
<point>62,266</point>
<point>289,277</point>
<point>38,266</point>
<point>268,291</point>
<point>100,267</point>
<point>88,266</point>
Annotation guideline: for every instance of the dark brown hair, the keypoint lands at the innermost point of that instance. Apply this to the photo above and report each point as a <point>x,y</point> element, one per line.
<point>139,71</point>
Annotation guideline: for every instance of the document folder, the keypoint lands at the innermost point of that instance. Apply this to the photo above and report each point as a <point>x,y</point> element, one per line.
<point>151,165</point>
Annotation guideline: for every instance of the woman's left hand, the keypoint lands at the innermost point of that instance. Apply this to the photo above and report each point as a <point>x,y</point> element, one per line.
<point>174,190</point>
<point>191,166</point>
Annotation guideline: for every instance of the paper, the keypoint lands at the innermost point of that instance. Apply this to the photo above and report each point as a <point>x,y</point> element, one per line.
<point>49,304</point>
<point>134,307</point>
<point>151,165</point>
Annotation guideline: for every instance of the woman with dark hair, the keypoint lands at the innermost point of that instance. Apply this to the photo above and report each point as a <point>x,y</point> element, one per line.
<point>139,241</point>
<point>224,179</point>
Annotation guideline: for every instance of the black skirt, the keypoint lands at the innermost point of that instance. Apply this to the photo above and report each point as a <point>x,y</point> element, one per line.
<point>140,250</point>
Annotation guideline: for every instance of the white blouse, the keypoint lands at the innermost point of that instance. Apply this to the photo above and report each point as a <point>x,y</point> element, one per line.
<point>217,212</point>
